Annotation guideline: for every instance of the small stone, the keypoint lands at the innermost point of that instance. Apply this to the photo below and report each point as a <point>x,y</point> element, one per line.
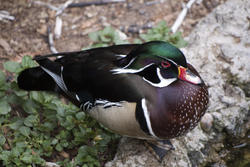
<point>207,122</point>
<point>64,154</point>
<point>42,30</point>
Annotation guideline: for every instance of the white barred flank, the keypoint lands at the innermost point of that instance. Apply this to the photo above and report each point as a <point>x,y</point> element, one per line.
<point>104,103</point>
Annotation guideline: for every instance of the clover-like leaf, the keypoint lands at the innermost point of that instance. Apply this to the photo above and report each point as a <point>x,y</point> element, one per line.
<point>31,120</point>
<point>26,157</point>
<point>27,62</point>
<point>25,131</point>
<point>2,140</point>
<point>2,78</point>
<point>15,125</point>
<point>4,107</point>
<point>12,66</point>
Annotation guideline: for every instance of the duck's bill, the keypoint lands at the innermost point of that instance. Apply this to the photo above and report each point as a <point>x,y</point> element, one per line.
<point>186,75</point>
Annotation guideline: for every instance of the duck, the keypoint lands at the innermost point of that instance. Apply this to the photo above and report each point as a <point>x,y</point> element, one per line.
<point>146,91</point>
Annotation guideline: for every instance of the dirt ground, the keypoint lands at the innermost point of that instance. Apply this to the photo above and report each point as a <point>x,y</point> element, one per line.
<point>27,33</point>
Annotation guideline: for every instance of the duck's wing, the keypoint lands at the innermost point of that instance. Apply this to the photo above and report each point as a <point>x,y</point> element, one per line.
<point>87,76</point>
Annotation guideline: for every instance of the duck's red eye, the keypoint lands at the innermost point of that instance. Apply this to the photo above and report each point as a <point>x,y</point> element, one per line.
<point>165,64</point>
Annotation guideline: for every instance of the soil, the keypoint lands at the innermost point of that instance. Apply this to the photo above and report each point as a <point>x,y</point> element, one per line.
<point>27,33</point>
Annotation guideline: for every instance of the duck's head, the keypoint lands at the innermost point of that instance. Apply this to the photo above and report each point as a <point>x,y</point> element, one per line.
<point>159,63</point>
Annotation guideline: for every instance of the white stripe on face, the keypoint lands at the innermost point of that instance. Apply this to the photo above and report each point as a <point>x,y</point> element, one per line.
<point>122,56</point>
<point>131,71</point>
<point>163,82</point>
<point>131,61</point>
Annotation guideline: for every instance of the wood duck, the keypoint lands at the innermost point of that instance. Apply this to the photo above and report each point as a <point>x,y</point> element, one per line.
<point>145,91</point>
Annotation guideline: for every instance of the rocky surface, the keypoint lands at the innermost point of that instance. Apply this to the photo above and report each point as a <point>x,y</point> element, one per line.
<point>219,48</point>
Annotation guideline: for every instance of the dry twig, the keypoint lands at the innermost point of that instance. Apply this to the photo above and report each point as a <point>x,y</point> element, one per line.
<point>51,41</point>
<point>100,2</point>
<point>63,7</point>
<point>46,4</point>
<point>5,15</point>
<point>181,16</point>
<point>58,27</point>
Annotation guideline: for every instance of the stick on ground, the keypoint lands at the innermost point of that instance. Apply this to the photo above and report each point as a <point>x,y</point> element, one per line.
<point>51,41</point>
<point>181,16</point>
<point>100,2</point>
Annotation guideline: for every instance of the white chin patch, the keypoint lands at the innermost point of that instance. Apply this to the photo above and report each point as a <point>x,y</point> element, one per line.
<point>163,82</point>
<point>193,79</point>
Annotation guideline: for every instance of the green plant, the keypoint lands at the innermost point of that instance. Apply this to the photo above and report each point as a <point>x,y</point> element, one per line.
<point>107,36</point>
<point>36,127</point>
<point>163,33</point>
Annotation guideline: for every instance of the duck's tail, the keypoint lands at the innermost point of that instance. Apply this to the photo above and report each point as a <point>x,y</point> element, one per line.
<point>35,79</point>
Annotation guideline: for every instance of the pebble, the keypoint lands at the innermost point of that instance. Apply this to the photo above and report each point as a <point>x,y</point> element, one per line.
<point>206,122</point>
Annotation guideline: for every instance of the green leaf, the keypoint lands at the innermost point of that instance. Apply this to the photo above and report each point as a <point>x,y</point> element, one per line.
<point>38,160</point>
<point>47,146</point>
<point>12,66</point>
<point>15,125</point>
<point>64,143</point>
<point>2,94</point>
<point>93,36</point>
<point>31,120</point>
<point>2,78</point>
<point>16,151</point>
<point>5,155</point>
<point>14,99</point>
<point>54,141</point>
<point>4,108</point>
<point>47,126</point>
<point>25,131</point>
<point>59,147</point>
<point>26,157</point>
<point>2,140</point>
<point>29,106</point>
<point>37,96</point>
<point>82,151</point>
<point>21,93</point>
<point>137,41</point>
<point>16,89</point>
<point>27,62</point>
<point>21,145</point>
<point>80,115</point>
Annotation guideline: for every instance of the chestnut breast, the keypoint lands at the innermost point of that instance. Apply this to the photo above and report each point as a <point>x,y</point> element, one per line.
<point>180,107</point>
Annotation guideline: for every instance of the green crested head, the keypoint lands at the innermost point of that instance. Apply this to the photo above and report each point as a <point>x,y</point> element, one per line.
<point>156,51</point>
<point>158,63</point>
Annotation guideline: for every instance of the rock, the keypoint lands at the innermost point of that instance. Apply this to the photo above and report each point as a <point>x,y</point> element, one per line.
<point>207,122</point>
<point>219,48</point>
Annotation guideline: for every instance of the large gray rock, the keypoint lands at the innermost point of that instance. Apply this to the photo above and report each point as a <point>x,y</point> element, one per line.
<point>219,48</point>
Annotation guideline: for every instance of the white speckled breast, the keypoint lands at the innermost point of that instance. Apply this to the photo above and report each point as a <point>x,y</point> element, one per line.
<point>191,108</point>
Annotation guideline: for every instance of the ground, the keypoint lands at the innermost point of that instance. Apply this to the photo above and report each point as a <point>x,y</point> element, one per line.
<point>27,34</point>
